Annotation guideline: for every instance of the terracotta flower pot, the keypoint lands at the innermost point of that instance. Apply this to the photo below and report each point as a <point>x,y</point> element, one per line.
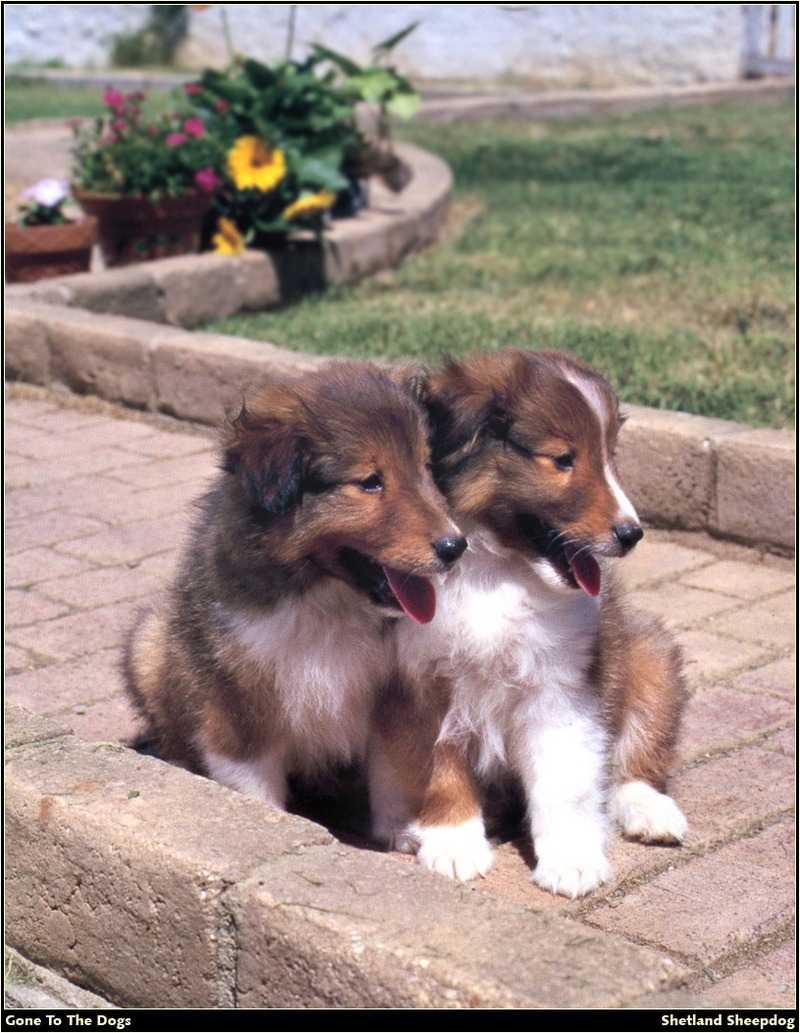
<point>37,252</point>
<point>133,229</point>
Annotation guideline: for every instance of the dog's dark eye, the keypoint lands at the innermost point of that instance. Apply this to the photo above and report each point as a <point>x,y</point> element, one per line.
<point>565,461</point>
<point>372,483</point>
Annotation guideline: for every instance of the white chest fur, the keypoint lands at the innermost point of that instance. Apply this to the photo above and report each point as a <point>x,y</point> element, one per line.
<point>321,657</point>
<point>510,642</point>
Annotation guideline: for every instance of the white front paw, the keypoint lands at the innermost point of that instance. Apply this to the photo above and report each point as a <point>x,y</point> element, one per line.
<point>570,869</point>
<point>644,813</point>
<point>458,851</point>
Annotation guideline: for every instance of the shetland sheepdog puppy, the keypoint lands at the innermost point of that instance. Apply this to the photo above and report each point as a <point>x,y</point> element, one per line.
<point>323,527</point>
<point>532,665</point>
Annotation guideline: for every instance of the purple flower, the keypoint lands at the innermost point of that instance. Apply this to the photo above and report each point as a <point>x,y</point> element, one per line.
<point>49,192</point>
<point>176,139</point>
<point>207,180</point>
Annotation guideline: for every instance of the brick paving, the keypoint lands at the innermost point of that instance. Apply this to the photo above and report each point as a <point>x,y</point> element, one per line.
<point>97,503</point>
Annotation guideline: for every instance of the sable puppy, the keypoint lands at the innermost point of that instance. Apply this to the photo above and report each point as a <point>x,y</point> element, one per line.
<point>264,657</point>
<point>532,664</point>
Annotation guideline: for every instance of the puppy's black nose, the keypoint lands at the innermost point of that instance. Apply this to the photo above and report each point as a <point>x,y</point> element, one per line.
<point>628,535</point>
<point>449,549</point>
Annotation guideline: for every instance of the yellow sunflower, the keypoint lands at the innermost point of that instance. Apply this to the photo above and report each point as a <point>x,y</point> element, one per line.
<point>255,165</point>
<point>227,240</point>
<point>311,204</point>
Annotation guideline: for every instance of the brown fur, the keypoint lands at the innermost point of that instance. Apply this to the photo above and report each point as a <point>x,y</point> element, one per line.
<point>439,787</point>
<point>640,670</point>
<point>502,420</point>
<point>312,468</point>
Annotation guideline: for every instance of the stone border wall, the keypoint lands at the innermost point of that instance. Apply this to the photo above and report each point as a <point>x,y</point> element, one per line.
<point>277,916</point>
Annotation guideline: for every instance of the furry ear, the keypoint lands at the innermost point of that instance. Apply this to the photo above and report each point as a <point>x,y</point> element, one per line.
<point>268,454</point>
<point>462,410</point>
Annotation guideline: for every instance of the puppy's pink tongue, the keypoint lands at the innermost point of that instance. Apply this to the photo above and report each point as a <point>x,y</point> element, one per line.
<point>416,595</point>
<point>585,569</point>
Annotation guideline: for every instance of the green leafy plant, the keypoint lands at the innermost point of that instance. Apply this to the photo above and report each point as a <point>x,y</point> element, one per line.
<point>377,83</point>
<point>295,150</point>
<point>125,152</point>
<point>290,136</point>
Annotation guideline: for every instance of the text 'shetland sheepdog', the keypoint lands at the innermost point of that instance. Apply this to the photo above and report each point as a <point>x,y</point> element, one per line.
<point>264,657</point>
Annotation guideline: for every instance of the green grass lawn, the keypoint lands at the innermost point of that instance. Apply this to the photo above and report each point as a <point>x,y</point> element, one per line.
<point>26,99</point>
<point>29,99</point>
<point>658,246</point>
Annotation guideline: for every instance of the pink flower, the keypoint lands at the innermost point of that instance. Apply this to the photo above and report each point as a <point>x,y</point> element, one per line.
<point>191,89</point>
<point>194,127</point>
<point>207,180</point>
<point>113,98</point>
<point>222,106</point>
<point>176,139</point>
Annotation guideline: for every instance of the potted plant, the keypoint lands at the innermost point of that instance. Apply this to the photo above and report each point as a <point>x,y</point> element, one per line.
<point>288,133</point>
<point>148,181</point>
<point>44,241</point>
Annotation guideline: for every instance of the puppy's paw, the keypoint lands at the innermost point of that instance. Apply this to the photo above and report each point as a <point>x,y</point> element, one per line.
<point>644,813</point>
<point>458,851</point>
<point>571,861</point>
<point>572,876</point>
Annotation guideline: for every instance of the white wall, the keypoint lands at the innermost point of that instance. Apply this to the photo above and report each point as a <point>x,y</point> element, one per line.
<point>547,44</point>
<point>562,45</point>
<point>75,35</point>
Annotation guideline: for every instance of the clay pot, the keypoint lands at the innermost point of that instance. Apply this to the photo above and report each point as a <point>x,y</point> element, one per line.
<point>134,229</point>
<point>37,252</point>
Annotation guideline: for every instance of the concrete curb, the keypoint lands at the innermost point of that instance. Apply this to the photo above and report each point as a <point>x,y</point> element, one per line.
<point>279,916</point>
<point>32,986</point>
